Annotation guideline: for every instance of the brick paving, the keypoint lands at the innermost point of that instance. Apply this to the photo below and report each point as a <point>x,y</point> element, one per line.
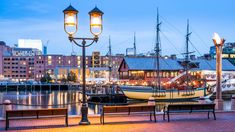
<point>135,123</point>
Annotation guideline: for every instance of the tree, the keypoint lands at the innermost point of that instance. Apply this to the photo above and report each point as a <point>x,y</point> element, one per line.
<point>72,77</point>
<point>63,79</point>
<point>46,78</point>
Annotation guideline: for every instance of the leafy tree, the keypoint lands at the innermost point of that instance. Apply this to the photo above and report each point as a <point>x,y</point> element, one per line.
<point>72,77</point>
<point>46,78</point>
<point>64,80</point>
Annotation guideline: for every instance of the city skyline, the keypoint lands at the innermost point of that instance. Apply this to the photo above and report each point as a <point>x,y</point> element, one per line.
<point>42,20</point>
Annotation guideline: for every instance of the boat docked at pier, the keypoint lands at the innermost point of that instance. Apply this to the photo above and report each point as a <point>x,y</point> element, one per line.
<point>163,78</point>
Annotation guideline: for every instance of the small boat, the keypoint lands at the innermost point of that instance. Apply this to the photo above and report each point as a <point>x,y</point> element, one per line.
<point>144,93</point>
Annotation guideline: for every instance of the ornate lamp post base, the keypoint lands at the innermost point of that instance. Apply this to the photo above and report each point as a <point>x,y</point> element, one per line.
<point>84,119</point>
<point>218,104</point>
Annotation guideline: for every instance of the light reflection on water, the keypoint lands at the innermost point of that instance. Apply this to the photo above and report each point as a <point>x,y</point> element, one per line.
<point>57,99</point>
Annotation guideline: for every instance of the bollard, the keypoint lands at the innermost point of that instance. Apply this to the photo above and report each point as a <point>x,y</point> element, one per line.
<point>201,100</point>
<point>151,101</point>
<point>233,102</point>
<point>7,106</point>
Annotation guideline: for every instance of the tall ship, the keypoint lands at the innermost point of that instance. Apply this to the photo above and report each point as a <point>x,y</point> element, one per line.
<point>170,78</point>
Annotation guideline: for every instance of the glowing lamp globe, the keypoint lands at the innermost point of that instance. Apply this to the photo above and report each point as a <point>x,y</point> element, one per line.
<point>70,20</point>
<point>96,21</point>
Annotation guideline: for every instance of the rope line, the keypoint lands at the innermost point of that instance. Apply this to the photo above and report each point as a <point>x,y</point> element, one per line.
<point>200,54</point>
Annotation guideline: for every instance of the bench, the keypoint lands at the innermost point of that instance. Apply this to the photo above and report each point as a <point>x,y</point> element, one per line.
<point>189,108</point>
<point>128,109</point>
<point>36,114</point>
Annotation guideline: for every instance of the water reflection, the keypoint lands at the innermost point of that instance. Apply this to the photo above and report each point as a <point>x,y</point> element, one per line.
<point>68,99</point>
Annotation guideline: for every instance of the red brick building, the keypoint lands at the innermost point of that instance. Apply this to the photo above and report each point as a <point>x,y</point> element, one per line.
<point>24,66</point>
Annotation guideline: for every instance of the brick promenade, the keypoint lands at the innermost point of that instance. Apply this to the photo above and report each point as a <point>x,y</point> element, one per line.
<point>179,123</point>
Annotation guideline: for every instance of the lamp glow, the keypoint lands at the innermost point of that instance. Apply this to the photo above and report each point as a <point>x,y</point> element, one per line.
<point>217,38</point>
<point>70,20</point>
<point>96,26</point>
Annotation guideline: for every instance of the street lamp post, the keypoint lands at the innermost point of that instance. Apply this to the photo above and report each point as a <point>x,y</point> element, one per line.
<point>71,27</point>
<point>219,42</point>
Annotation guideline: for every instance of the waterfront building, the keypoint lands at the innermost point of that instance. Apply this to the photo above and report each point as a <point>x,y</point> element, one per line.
<point>18,68</point>
<point>27,62</point>
<point>25,51</point>
<point>227,53</point>
<point>58,66</point>
<point>4,51</point>
<point>142,71</point>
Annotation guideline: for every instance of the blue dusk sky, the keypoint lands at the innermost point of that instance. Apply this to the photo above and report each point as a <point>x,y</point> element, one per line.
<point>43,19</point>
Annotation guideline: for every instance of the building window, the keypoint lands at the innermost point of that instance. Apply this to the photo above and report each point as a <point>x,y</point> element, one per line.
<point>148,74</point>
<point>49,60</point>
<point>225,56</point>
<point>79,62</point>
<point>232,55</point>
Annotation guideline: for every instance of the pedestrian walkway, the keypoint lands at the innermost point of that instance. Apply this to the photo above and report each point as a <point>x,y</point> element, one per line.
<point>135,123</point>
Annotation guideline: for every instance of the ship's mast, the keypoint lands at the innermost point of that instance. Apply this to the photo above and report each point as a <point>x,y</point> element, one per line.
<point>187,56</point>
<point>157,51</point>
<point>110,59</point>
<point>134,45</point>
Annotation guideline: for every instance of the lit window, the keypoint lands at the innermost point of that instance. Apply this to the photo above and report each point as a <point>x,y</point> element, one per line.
<point>232,55</point>
<point>79,63</point>
<point>49,60</point>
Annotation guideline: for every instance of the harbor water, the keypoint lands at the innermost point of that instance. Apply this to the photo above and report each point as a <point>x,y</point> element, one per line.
<point>64,98</point>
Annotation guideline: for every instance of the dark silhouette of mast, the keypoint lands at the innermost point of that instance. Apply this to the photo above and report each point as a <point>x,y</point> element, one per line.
<point>157,52</point>
<point>110,60</point>
<point>134,45</point>
<point>187,61</point>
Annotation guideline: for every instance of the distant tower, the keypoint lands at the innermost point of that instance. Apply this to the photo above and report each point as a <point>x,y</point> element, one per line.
<point>45,48</point>
<point>134,45</point>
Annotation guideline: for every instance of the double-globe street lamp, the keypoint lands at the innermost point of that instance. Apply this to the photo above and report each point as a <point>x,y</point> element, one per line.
<point>71,27</point>
<point>219,42</point>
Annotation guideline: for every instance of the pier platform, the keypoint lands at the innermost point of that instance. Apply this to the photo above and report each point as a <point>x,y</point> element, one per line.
<point>179,123</point>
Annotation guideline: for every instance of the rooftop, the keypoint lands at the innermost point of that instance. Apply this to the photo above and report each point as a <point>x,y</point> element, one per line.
<point>149,63</point>
<point>211,65</point>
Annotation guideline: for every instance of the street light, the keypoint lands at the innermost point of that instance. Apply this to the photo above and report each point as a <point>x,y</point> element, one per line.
<point>71,27</point>
<point>219,42</point>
